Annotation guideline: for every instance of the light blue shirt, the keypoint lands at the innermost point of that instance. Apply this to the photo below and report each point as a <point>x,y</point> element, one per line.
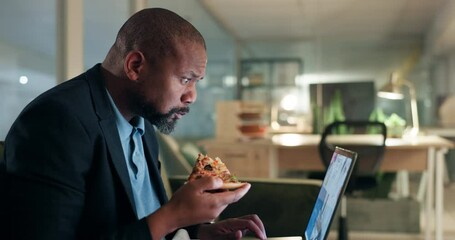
<point>131,134</point>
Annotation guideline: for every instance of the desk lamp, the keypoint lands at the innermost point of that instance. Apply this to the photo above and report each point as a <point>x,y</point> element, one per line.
<point>393,90</point>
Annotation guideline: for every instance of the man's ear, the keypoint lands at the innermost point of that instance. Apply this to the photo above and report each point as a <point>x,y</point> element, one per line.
<point>134,62</point>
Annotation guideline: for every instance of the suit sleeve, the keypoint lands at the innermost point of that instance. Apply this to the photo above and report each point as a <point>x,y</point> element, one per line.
<point>48,154</point>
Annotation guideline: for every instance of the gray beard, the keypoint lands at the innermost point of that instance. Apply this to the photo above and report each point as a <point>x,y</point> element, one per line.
<point>163,122</point>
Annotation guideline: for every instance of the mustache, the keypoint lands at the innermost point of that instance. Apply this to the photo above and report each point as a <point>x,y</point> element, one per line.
<point>178,110</point>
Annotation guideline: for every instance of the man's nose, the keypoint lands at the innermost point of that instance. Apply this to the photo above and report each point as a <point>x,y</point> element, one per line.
<point>190,94</point>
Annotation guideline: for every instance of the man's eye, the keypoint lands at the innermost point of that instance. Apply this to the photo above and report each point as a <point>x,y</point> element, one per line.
<point>185,80</point>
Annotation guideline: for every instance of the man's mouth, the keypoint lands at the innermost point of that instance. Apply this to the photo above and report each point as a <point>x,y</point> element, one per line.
<point>179,115</point>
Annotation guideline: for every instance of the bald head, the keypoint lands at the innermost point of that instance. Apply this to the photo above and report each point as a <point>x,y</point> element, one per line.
<point>154,31</point>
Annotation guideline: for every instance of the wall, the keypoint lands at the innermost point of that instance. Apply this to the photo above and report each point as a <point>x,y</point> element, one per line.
<point>439,58</point>
<point>16,61</point>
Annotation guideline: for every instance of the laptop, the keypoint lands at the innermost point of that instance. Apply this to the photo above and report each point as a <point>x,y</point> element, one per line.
<point>332,189</point>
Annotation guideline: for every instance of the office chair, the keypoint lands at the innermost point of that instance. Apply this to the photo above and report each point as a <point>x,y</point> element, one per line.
<point>367,138</point>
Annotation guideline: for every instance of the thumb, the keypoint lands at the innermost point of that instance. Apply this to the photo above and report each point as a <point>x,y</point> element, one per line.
<point>210,183</point>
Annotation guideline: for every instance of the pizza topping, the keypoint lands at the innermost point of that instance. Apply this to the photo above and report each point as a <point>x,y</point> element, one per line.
<point>206,166</point>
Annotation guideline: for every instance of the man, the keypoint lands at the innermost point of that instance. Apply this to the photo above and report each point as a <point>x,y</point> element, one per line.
<point>81,160</point>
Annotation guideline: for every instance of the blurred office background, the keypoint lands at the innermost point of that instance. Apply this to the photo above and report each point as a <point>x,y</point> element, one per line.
<point>336,41</point>
<point>298,55</point>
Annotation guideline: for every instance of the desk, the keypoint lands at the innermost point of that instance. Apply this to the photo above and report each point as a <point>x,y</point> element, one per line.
<point>266,157</point>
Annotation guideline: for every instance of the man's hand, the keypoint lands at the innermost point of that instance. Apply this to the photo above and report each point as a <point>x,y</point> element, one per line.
<point>194,203</point>
<point>197,202</point>
<point>234,228</point>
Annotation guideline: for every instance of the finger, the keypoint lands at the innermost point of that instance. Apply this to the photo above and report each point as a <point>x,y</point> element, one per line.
<point>227,197</point>
<point>255,218</point>
<point>238,234</point>
<point>238,193</point>
<point>259,231</point>
<point>247,223</point>
<point>208,183</point>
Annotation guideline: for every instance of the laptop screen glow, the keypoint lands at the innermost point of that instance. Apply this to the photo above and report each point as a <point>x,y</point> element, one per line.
<point>332,187</point>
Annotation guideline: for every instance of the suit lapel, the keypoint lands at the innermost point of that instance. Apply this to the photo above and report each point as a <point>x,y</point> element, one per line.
<point>118,159</point>
<point>151,155</point>
<point>107,122</point>
<point>108,125</point>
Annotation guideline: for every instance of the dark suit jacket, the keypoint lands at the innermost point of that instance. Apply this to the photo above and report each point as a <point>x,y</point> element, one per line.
<point>67,176</point>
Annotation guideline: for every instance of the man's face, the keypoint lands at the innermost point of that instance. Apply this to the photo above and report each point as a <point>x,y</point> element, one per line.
<point>168,88</point>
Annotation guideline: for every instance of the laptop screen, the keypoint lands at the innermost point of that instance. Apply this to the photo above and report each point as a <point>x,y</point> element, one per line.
<point>332,189</point>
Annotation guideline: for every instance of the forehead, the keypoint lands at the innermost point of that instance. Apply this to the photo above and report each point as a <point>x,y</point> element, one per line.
<point>184,46</point>
<point>190,53</point>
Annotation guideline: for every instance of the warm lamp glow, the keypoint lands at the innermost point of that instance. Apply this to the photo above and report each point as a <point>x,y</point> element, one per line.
<point>390,95</point>
<point>289,102</point>
<point>392,90</point>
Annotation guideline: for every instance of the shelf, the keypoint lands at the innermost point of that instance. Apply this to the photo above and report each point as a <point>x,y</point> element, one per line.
<point>239,119</point>
<point>270,81</point>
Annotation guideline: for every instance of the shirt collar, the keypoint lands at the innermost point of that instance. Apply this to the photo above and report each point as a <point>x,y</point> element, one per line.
<point>124,127</point>
<point>138,123</point>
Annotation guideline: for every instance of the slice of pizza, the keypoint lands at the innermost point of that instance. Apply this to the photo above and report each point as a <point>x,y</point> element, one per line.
<point>207,166</point>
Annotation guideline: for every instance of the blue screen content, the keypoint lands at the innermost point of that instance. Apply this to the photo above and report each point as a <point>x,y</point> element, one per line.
<point>328,197</point>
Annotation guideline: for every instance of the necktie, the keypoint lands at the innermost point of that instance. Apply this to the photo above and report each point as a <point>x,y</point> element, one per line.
<point>144,195</point>
<point>137,154</point>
